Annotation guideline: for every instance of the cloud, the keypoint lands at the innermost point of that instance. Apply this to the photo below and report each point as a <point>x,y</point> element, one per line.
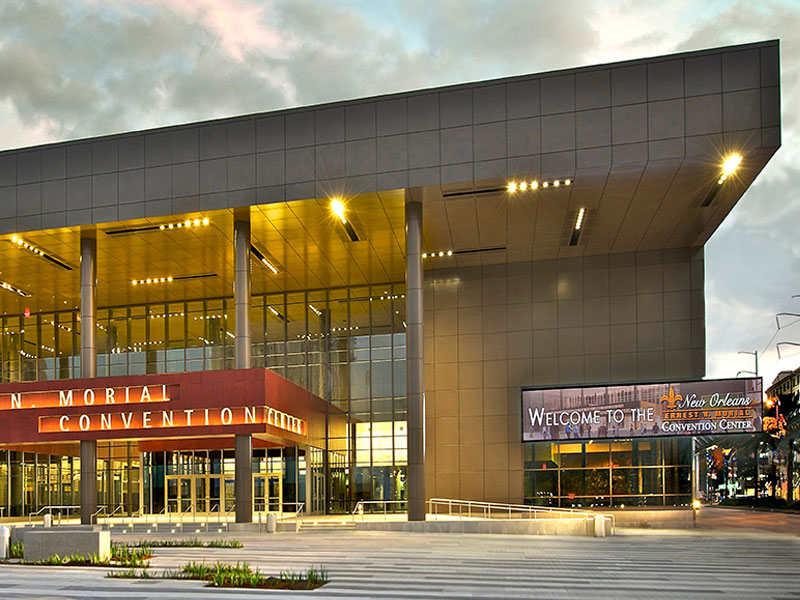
<point>92,67</point>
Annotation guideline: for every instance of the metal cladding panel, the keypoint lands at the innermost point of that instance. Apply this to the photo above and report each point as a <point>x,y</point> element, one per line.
<point>553,123</point>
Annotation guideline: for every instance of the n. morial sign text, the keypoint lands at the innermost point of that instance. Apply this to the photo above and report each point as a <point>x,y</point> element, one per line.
<point>137,394</point>
<point>170,419</point>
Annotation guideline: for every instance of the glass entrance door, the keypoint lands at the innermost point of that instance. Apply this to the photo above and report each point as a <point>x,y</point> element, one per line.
<point>185,498</point>
<point>318,493</point>
<point>194,494</point>
<point>274,492</point>
<point>267,492</point>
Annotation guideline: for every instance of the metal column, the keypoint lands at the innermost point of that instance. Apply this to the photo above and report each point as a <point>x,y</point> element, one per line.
<point>241,298</point>
<point>415,363</point>
<point>241,290</point>
<point>88,370</point>
<point>244,478</point>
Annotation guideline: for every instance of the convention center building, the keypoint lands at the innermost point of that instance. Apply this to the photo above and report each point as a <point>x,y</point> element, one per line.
<point>490,291</point>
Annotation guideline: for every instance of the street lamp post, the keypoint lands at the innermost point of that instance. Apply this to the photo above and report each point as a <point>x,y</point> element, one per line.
<point>755,355</point>
<point>779,344</point>
<point>755,373</point>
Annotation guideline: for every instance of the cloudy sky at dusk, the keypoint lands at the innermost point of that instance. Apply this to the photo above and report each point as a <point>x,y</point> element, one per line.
<point>91,67</point>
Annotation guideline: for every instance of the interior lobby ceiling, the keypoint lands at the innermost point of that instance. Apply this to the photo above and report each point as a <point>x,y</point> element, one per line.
<point>627,208</point>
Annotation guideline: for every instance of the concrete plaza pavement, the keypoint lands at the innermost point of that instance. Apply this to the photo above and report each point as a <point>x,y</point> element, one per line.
<point>635,564</point>
<point>741,519</point>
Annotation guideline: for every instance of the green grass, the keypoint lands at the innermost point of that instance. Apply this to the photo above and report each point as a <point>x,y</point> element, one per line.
<point>239,575</point>
<point>73,560</point>
<point>224,544</point>
<point>242,576</point>
<point>130,574</point>
<point>131,556</point>
<point>190,543</point>
<point>121,556</point>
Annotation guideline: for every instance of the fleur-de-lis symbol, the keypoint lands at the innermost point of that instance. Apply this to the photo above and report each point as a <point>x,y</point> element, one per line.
<point>672,400</point>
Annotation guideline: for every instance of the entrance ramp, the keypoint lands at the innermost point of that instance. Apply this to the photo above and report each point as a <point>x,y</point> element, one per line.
<point>448,515</point>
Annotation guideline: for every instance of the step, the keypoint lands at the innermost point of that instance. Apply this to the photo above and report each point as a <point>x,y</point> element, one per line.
<point>326,526</point>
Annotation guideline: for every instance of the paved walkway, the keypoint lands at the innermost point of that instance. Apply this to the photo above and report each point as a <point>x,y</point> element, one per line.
<point>652,564</point>
<point>749,520</point>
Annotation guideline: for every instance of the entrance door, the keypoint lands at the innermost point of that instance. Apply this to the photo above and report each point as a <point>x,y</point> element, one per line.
<point>230,494</point>
<point>267,492</point>
<point>215,498</point>
<point>259,493</point>
<point>274,492</point>
<point>318,493</point>
<point>187,494</point>
<point>185,500</point>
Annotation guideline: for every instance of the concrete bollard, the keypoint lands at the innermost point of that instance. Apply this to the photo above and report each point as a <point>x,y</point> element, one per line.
<point>600,525</point>
<point>5,543</point>
<point>47,521</point>
<point>272,523</point>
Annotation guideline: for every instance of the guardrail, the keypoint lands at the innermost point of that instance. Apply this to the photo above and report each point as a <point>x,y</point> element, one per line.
<point>471,509</point>
<point>112,513</point>
<point>50,509</point>
<point>359,509</point>
<point>300,506</point>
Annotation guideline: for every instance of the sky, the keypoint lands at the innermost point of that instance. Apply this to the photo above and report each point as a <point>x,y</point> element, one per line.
<point>92,67</point>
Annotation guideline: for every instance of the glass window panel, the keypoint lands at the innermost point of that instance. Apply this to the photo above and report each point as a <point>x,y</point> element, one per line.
<point>545,483</point>
<point>597,482</point>
<point>651,480</point>
<point>572,482</point>
<point>624,481</point>
<point>571,455</point>
<point>622,454</point>
<point>596,454</point>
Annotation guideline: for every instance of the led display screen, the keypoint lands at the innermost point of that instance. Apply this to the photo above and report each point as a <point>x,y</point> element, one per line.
<point>708,407</point>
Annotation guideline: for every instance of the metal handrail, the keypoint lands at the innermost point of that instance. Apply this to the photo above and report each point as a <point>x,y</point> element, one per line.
<point>50,510</point>
<point>359,508</point>
<point>300,507</point>
<point>113,512</point>
<point>183,512</point>
<point>93,516</point>
<point>486,509</point>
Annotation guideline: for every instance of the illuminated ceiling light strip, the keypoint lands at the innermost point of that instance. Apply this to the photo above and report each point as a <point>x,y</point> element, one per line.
<point>315,310</point>
<point>338,209</point>
<point>187,224</point>
<point>728,168</point>
<point>269,266</point>
<point>579,220</point>
<point>20,243</point>
<point>151,280</point>
<point>269,262</point>
<point>439,254</point>
<point>275,312</point>
<point>576,230</point>
<point>170,279</point>
<point>523,186</point>
<point>12,288</point>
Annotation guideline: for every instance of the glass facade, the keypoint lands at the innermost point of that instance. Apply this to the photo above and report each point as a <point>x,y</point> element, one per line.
<point>643,472</point>
<point>345,345</point>
<point>31,481</point>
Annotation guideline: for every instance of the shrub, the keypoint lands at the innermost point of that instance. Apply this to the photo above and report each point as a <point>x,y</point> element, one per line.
<point>16,549</point>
